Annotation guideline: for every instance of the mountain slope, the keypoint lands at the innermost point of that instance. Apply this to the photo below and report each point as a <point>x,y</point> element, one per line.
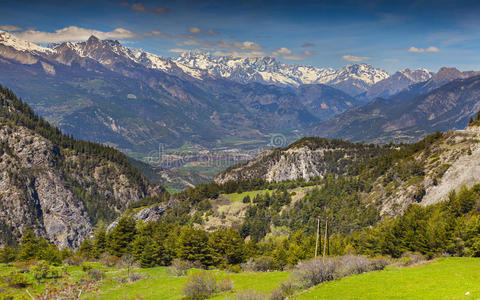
<point>306,158</point>
<point>55,185</point>
<point>407,117</point>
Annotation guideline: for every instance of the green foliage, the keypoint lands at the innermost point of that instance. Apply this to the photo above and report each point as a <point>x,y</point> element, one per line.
<point>119,239</point>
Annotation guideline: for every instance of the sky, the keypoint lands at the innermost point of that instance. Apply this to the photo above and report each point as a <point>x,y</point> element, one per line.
<point>391,35</point>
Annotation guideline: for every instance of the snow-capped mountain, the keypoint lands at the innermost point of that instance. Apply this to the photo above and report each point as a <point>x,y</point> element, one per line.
<point>10,40</point>
<point>399,81</point>
<point>353,78</point>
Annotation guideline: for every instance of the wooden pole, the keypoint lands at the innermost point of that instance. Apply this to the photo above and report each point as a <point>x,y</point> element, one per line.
<point>318,235</point>
<point>326,238</point>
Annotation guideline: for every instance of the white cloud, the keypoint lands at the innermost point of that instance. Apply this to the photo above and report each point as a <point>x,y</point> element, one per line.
<point>294,57</point>
<point>177,50</point>
<point>247,45</point>
<point>247,54</point>
<point>420,50</point>
<point>194,30</point>
<point>353,58</point>
<point>189,43</point>
<point>282,51</point>
<point>10,28</point>
<point>73,33</point>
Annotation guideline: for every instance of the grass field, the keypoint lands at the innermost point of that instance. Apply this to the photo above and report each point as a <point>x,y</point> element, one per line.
<point>234,197</point>
<point>446,278</point>
<point>161,285</point>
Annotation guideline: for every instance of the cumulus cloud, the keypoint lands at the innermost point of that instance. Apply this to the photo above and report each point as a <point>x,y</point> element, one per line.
<point>161,10</point>
<point>308,53</point>
<point>138,7</point>
<point>420,50</point>
<point>247,45</point>
<point>177,50</point>
<point>294,57</point>
<point>189,43</point>
<point>73,33</point>
<point>353,58</point>
<point>141,8</point>
<point>10,28</point>
<point>194,30</point>
<point>210,32</point>
<point>246,54</point>
<point>282,51</point>
<point>305,45</point>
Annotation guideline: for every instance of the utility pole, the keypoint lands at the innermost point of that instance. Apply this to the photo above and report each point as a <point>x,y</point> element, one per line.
<point>318,234</point>
<point>325,242</point>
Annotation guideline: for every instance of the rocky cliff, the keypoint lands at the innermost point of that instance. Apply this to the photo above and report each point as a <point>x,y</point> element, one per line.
<point>55,185</point>
<point>306,158</point>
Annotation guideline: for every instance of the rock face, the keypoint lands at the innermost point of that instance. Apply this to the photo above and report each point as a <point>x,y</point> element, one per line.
<point>306,158</point>
<point>148,214</point>
<point>55,185</point>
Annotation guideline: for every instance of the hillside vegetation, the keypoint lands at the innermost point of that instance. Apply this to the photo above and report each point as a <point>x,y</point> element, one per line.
<point>58,186</point>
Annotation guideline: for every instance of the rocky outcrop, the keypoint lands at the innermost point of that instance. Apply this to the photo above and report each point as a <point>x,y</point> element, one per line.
<point>147,214</point>
<point>306,158</point>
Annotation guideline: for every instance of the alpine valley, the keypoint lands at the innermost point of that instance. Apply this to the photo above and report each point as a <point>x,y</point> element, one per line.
<point>172,113</point>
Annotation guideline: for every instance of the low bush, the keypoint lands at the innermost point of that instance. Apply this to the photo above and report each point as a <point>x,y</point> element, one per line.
<point>15,280</point>
<point>110,260</point>
<point>42,270</point>
<point>180,267</point>
<point>224,285</point>
<point>132,277</point>
<point>312,272</point>
<point>87,266</point>
<point>259,264</point>
<point>96,274</point>
<point>411,258</point>
<point>74,261</point>
<point>200,286</point>
<point>249,295</point>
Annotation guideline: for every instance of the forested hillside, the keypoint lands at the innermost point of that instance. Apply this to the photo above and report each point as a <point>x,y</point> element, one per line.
<point>58,186</point>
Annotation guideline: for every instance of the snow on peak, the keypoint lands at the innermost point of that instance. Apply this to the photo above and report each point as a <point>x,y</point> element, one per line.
<point>10,40</point>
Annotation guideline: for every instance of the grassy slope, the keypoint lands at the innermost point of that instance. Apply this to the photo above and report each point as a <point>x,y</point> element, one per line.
<point>234,197</point>
<point>446,278</point>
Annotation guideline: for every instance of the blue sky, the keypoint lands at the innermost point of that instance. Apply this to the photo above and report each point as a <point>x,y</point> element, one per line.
<point>388,34</point>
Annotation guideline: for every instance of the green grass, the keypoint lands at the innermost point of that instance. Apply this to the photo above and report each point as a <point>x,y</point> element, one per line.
<point>234,197</point>
<point>445,278</point>
<point>161,285</point>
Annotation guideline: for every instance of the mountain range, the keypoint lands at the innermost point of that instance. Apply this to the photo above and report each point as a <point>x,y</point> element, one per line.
<point>136,101</point>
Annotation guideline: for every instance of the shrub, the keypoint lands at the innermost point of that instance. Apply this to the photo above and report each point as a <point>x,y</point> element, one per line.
<point>224,285</point>
<point>259,264</point>
<point>249,295</point>
<point>276,294</point>
<point>110,260</point>
<point>25,265</point>
<point>87,266</point>
<point>74,261</point>
<point>200,286</point>
<point>44,271</point>
<point>315,271</point>
<point>16,280</point>
<point>180,267</point>
<point>132,277</point>
<point>96,274</point>
<point>411,258</point>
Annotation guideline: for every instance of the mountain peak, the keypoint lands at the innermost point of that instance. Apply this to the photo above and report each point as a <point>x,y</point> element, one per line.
<point>10,40</point>
<point>93,40</point>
